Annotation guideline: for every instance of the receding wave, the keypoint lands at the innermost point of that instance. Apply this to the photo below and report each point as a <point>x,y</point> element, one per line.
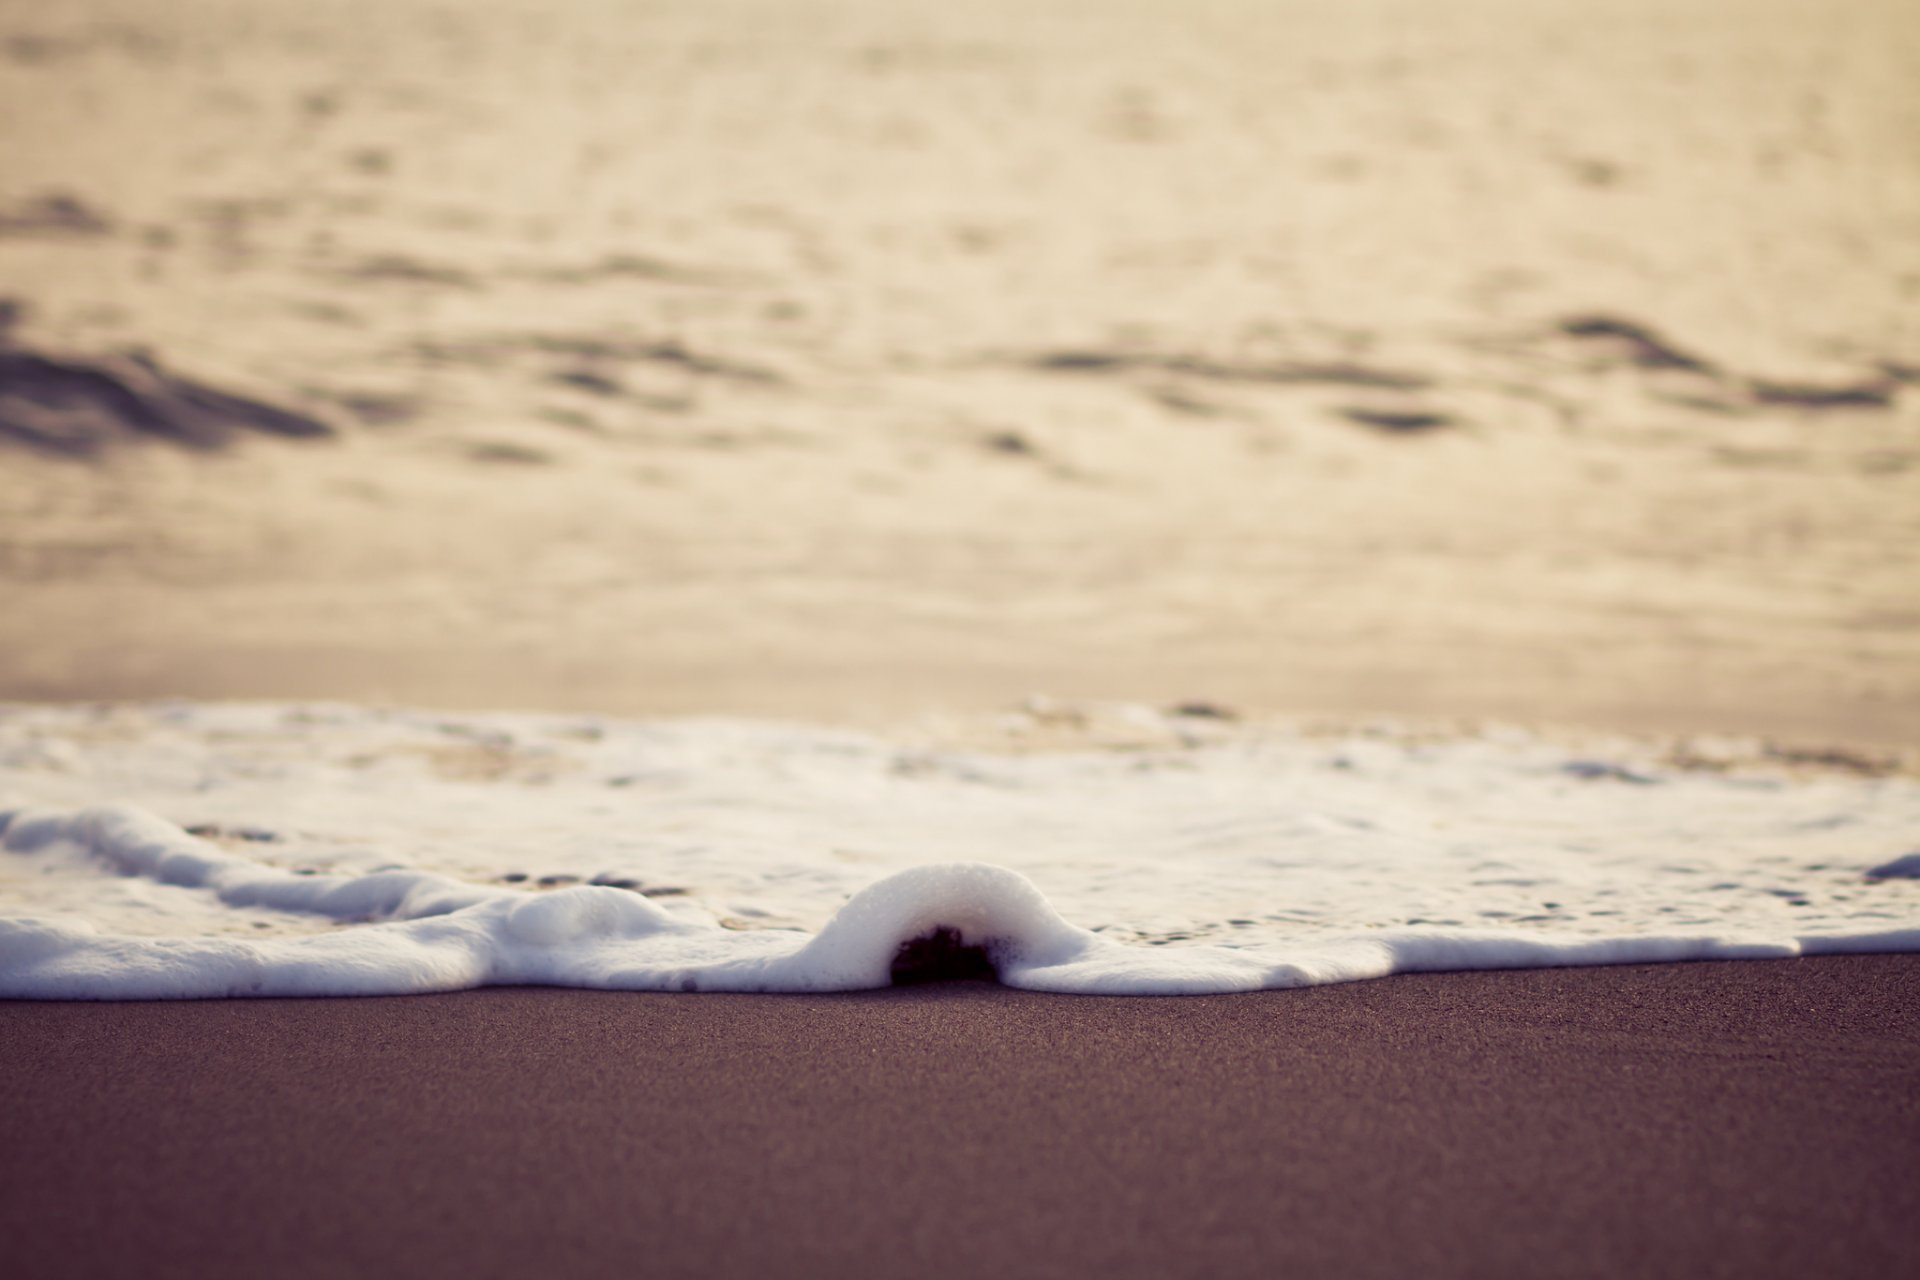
<point>406,932</point>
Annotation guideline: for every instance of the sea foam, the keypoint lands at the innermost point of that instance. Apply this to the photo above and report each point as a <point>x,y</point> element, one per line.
<point>434,934</point>
<point>736,857</point>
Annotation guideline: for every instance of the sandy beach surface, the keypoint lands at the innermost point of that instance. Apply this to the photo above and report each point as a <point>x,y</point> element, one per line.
<point>1748,1119</point>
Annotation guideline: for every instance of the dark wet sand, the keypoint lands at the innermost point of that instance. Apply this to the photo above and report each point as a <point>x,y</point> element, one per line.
<point>1710,1119</point>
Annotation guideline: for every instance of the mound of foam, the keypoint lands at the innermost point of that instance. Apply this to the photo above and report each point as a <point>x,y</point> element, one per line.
<point>136,843</point>
<point>403,932</point>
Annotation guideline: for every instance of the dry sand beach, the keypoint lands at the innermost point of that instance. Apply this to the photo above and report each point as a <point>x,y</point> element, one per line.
<point>886,364</point>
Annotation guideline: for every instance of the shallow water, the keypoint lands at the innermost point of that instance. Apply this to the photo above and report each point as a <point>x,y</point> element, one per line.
<point>344,850</point>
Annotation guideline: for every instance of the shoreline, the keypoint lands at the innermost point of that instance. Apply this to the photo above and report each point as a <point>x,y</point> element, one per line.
<point>1008,723</point>
<point>884,690</point>
<point>1745,1117</point>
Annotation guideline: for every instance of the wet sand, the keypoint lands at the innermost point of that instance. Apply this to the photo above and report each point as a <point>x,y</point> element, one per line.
<point>1745,1119</point>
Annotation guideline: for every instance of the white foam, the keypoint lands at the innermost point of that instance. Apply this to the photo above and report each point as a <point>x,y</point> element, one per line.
<point>772,858</point>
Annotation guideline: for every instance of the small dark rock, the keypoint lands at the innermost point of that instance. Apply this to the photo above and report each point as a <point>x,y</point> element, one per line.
<point>941,956</point>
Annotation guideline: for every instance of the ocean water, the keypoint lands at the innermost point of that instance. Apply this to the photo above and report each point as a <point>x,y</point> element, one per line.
<point>199,850</point>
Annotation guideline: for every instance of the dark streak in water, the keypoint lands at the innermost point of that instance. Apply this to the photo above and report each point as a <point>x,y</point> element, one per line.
<point>638,267</point>
<point>1336,373</point>
<point>80,406</point>
<point>1397,421</point>
<point>403,270</point>
<point>55,214</point>
<point>1645,347</point>
<point>488,350</point>
<point>1859,395</point>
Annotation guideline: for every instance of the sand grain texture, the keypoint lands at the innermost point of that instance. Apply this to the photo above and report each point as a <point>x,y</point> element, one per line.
<point>1750,1119</point>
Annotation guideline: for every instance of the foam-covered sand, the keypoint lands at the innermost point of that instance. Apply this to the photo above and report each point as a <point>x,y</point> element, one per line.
<point>353,852</point>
